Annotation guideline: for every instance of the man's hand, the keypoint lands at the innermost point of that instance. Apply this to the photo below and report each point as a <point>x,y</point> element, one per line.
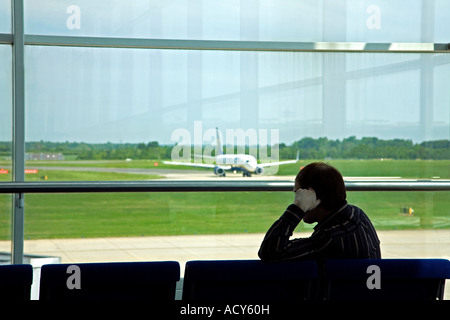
<point>306,199</point>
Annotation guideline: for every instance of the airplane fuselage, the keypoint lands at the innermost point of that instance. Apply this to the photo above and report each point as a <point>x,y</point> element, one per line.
<point>244,161</point>
<point>239,162</point>
<point>247,164</point>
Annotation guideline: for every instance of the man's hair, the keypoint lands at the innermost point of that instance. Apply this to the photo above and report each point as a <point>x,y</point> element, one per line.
<point>326,181</point>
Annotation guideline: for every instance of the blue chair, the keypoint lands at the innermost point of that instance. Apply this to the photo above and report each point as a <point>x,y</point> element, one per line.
<point>15,282</point>
<point>396,279</point>
<point>247,280</point>
<point>130,281</point>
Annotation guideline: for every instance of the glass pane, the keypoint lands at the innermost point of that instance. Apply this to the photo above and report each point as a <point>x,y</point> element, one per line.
<point>5,150</point>
<point>5,16</point>
<point>387,21</point>
<point>80,228</point>
<point>141,107</point>
<point>190,213</point>
<point>84,215</point>
<point>178,19</point>
<point>440,99</point>
<point>150,222</point>
<point>6,113</point>
<point>268,20</point>
<point>287,20</point>
<point>442,21</point>
<point>5,228</point>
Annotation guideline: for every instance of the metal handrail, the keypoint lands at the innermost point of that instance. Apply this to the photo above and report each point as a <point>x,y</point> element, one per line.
<point>208,186</point>
<point>236,45</point>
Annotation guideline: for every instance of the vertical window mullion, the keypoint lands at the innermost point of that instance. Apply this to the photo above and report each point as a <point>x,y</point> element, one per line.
<point>18,130</point>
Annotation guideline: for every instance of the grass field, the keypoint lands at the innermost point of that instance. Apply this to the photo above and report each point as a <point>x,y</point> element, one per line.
<point>145,214</point>
<point>414,169</point>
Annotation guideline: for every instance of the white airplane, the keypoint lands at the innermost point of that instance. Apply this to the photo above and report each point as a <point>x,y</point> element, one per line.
<point>244,163</point>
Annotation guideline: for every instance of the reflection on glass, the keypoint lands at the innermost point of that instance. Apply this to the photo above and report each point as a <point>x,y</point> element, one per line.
<point>441,21</point>
<point>269,20</point>
<point>5,149</point>
<point>5,218</point>
<point>149,96</point>
<point>5,16</point>
<point>137,104</point>
<point>6,113</point>
<point>5,228</point>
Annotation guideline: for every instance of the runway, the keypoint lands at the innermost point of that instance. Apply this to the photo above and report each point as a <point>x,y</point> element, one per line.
<point>185,174</point>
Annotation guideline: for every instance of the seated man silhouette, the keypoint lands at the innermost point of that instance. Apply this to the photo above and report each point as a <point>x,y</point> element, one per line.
<point>343,231</point>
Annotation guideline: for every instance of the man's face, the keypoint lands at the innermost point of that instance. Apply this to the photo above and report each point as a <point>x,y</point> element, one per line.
<point>310,216</point>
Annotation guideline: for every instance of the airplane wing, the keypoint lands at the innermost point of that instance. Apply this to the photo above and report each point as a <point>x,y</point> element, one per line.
<point>269,164</point>
<point>199,165</point>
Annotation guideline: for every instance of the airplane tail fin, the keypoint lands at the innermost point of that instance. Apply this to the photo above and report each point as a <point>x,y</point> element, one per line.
<point>219,150</point>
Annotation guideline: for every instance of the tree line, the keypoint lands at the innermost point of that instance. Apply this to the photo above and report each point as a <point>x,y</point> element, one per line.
<point>367,148</point>
<point>308,148</point>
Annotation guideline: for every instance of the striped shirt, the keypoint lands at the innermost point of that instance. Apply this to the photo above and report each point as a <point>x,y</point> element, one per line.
<point>345,234</point>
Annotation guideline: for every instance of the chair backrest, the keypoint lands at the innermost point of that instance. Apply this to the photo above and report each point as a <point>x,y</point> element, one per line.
<point>246,280</point>
<point>110,281</point>
<point>15,282</point>
<point>386,279</point>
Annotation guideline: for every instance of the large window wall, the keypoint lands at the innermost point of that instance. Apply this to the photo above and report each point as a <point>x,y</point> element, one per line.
<point>134,95</point>
<point>5,105</point>
<point>114,74</point>
<point>380,21</point>
<point>5,16</point>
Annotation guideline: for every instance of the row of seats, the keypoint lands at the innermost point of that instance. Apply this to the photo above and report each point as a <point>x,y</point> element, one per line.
<point>390,279</point>
<point>233,280</point>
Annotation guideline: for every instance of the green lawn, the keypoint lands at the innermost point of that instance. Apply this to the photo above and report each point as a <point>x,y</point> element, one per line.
<point>414,169</point>
<point>128,214</point>
<point>145,214</point>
